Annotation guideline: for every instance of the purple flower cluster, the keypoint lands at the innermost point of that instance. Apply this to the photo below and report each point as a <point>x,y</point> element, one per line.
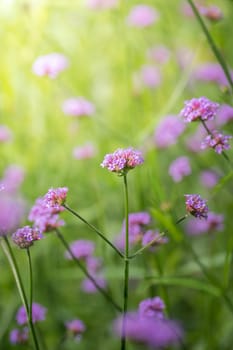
<point>214,222</point>
<point>199,109</point>
<point>26,236</point>
<point>78,107</point>
<point>149,326</point>
<point>55,197</point>
<point>38,314</point>
<point>211,72</point>
<point>196,206</point>
<point>217,141</point>
<point>76,328</point>
<point>13,178</point>
<point>19,336</point>
<point>168,131</point>
<point>122,160</point>
<point>50,65</point>
<point>209,178</point>
<point>142,16</point>
<point>11,213</point>
<point>81,249</point>
<point>179,168</point>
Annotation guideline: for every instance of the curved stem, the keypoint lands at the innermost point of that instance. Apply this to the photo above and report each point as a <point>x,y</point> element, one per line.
<point>212,44</point>
<point>31,284</point>
<point>84,270</point>
<point>94,229</point>
<point>126,269</point>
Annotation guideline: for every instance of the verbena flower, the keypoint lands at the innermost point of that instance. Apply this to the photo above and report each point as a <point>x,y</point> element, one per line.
<point>50,65</point>
<point>196,206</point>
<point>159,54</point>
<point>214,222</point>
<point>11,213</point>
<point>152,307</point>
<point>122,160</point>
<point>211,72</point>
<point>86,151</point>
<point>168,131</point>
<point>38,314</point>
<point>78,107</point>
<point>76,328</point>
<point>19,336</point>
<point>142,16</point>
<point>199,109</point>
<point>55,197</point>
<point>151,235</point>
<point>179,168</point>
<point>208,178</point>
<point>13,178</point>
<point>218,141</point>
<point>26,236</point>
<point>81,249</point>
<point>89,287</point>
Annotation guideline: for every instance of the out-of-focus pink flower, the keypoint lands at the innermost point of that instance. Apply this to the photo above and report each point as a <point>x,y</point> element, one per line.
<point>93,264</point>
<point>212,12</point>
<point>38,314</point>
<point>86,151</point>
<point>213,223</point>
<point>159,54</point>
<point>5,134</point>
<point>102,4</point>
<point>81,249</point>
<point>89,287</point>
<point>50,65</point>
<point>19,336</point>
<point>224,114</point>
<point>209,178</point>
<point>151,235</point>
<point>78,107</point>
<point>167,131</point>
<point>193,142</point>
<point>11,213</point>
<point>152,307</point>
<point>211,72</point>
<point>184,56</point>
<point>142,16</point>
<point>149,76</point>
<point>13,178</point>
<point>179,168</point>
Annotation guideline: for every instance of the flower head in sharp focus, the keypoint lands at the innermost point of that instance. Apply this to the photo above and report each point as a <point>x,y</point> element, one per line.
<point>76,328</point>
<point>217,141</point>
<point>26,236</point>
<point>55,197</point>
<point>38,314</point>
<point>142,16</point>
<point>122,160</point>
<point>199,109</point>
<point>50,65</point>
<point>196,206</point>
<point>152,307</point>
<point>19,336</point>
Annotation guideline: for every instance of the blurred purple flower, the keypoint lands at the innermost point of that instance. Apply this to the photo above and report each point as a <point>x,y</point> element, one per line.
<point>76,328</point>
<point>122,160</point>
<point>50,65</point>
<point>24,237</point>
<point>217,141</point>
<point>199,108</point>
<point>159,54</point>
<point>11,213</point>
<point>196,206</point>
<point>167,131</point>
<point>211,72</point>
<point>213,223</point>
<point>142,16</point>
<point>5,134</point>
<point>152,307</point>
<point>78,107</point>
<point>209,178</point>
<point>13,178</point>
<point>150,235</point>
<point>179,168</point>
<point>19,336</point>
<point>224,115</point>
<point>89,287</point>
<point>102,4</point>
<point>38,314</point>
<point>93,264</point>
<point>193,141</point>
<point>149,76</point>
<point>86,151</point>
<point>81,249</point>
<point>212,12</point>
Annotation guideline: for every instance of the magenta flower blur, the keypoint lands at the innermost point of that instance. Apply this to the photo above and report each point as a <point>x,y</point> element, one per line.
<point>50,65</point>
<point>179,168</point>
<point>214,222</point>
<point>13,178</point>
<point>152,307</point>
<point>168,131</point>
<point>218,141</point>
<point>208,178</point>
<point>211,72</point>
<point>19,336</point>
<point>93,264</point>
<point>196,206</point>
<point>212,12</point>
<point>11,213</point>
<point>26,236</point>
<point>101,4</point>
<point>199,109</point>
<point>150,76</point>
<point>81,249</point>
<point>122,160</point>
<point>55,197</point>
<point>159,54</point>
<point>86,151</point>
<point>142,16</point>
<point>38,314</point>
<point>78,107</point>
<point>76,328</point>
<point>151,235</point>
<point>5,134</point>
<point>224,115</point>
<point>89,287</point>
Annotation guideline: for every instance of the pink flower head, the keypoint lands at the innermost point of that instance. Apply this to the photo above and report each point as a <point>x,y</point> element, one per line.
<point>5,134</point>
<point>89,287</point>
<point>212,12</point>
<point>38,314</point>
<point>102,4</point>
<point>19,336</point>
<point>81,249</point>
<point>218,141</point>
<point>13,178</point>
<point>214,222</point>
<point>179,168</point>
<point>25,236</point>
<point>211,72</point>
<point>142,16</point>
<point>56,197</point>
<point>196,206</point>
<point>78,107</point>
<point>50,65</point>
<point>122,160</point>
<point>224,115</point>
<point>209,178</point>
<point>159,54</point>
<point>86,151</point>
<point>76,327</point>
<point>93,264</point>
<point>167,131</point>
<point>152,307</point>
<point>150,76</point>
<point>151,235</point>
<point>199,108</point>
<point>11,213</point>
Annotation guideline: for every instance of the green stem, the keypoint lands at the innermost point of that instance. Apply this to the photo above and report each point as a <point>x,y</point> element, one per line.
<point>140,251</point>
<point>212,44</point>
<point>126,268</point>
<point>86,273</point>
<point>31,284</point>
<point>14,266</point>
<point>94,229</point>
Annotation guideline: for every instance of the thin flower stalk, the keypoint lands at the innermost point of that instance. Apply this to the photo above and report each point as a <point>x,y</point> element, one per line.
<point>84,270</point>
<point>141,250</point>
<point>94,229</point>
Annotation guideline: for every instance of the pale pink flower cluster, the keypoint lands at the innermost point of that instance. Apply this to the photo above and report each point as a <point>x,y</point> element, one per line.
<point>179,168</point>
<point>142,16</point>
<point>86,151</point>
<point>50,65</point>
<point>78,107</point>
